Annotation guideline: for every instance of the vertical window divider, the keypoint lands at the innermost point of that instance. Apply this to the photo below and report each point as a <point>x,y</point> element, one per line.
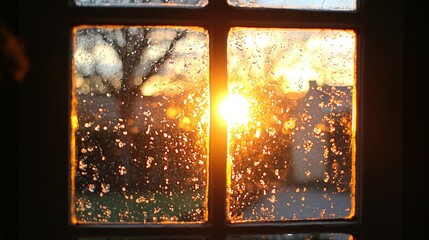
<point>218,161</point>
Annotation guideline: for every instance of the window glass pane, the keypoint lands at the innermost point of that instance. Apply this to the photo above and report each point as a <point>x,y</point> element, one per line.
<point>139,124</point>
<point>143,3</point>
<point>299,236</point>
<point>290,114</point>
<point>331,5</point>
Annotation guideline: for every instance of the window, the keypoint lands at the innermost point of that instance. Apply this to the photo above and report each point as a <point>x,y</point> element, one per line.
<point>196,56</point>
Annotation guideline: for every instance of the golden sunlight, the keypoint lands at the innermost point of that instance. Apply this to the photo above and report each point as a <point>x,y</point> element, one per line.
<point>235,109</point>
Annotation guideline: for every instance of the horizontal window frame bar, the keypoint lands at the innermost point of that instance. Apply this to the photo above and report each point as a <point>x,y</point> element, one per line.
<point>208,16</point>
<point>216,232</point>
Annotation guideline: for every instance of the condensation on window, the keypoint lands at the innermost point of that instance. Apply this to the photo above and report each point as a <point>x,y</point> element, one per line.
<point>325,5</point>
<point>140,112</point>
<point>293,156</point>
<point>295,236</point>
<point>143,3</point>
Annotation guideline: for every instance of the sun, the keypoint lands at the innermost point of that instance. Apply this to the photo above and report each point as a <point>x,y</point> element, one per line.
<point>235,109</point>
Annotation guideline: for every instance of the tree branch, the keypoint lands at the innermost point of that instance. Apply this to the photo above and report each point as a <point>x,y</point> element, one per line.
<point>158,63</point>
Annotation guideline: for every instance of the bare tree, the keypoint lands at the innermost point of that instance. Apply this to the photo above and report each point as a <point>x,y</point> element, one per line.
<point>135,56</point>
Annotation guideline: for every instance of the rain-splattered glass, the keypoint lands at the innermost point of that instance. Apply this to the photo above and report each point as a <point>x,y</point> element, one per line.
<point>292,157</point>
<point>296,236</point>
<point>139,142</point>
<point>143,3</point>
<point>320,5</point>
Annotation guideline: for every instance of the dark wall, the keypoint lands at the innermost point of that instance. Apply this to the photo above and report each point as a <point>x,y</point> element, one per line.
<point>9,127</point>
<point>415,107</point>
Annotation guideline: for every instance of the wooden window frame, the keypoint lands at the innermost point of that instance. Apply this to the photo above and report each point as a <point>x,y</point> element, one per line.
<point>45,116</point>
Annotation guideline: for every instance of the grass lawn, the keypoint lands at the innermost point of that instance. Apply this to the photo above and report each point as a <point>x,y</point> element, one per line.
<point>113,207</point>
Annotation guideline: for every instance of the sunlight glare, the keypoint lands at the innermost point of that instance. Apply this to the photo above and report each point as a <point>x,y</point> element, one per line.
<point>235,109</point>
